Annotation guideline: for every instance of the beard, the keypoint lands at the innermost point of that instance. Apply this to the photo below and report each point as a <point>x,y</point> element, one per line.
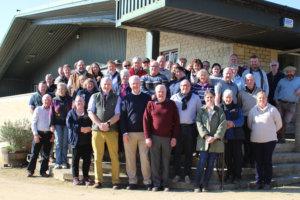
<point>290,77</point>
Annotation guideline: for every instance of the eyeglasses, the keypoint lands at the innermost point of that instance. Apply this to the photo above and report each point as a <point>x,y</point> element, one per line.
<point>126,65</point>
<point>274,65</point>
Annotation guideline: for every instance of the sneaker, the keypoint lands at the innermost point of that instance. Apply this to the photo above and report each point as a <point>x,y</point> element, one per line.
<point>205,187</point>
<point>29,174</point>
<point>131,187</point>
<point>176,179</point>
<point>97,185</point>
<point>267,187</point>
<point>258,186</point>
<point>64,166</point>
<point>154,189</point>
<point>44,174</point>
<point>116,186</point>
<point>197,189</point>
<point>85,181</point>
<point>187,179</point>
<point>57,166</point>
<point>167,189</point>
<point>75,181</point>
<point>148,187</point>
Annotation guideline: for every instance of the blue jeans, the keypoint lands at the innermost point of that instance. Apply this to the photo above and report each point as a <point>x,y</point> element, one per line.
<point>206,160</point>
<point>61,139</point>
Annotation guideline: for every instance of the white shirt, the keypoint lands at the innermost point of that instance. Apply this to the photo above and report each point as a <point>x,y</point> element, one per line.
<point>40,120</point>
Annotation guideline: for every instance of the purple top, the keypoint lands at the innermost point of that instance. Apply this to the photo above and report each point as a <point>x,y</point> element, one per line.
<point>59,109</point>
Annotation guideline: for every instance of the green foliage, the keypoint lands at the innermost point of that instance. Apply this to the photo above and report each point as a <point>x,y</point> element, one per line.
<point>18,134</point>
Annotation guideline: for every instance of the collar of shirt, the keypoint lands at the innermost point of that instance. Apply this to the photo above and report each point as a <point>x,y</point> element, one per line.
<point>135,93</point>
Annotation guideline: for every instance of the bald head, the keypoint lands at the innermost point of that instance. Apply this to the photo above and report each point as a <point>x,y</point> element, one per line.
<point>106,84</point>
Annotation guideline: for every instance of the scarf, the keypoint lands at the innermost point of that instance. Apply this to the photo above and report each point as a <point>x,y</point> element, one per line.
<point>185,99</point>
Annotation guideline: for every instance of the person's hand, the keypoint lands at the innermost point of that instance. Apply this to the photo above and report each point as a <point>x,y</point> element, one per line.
<point>36,138</point>
<point>230,124</point>
<point>173,142</point>
<point>52,138</point>
<point>83,130</point>
<point>148,142</point>
<point>211,140</point>
<point>126,138</point>
<point>52,128</point>
<point>153,96</point>
<point>98,78</point>
<point>105,127</point>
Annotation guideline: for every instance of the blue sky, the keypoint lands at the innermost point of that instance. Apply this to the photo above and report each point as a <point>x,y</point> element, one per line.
<point>8,10</point>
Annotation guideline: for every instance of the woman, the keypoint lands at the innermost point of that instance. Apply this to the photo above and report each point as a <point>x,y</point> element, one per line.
<point>123,87</point>
<point>79,129</point>
<point>197,66</point>
<point>96,72</point>
<point>169,65</point>
<point>81,79</point>
<point>175,84</point>
<point>203,84</point>
<point>233,138</point>
<point>264,121</point>
<point>60,106</point>
<point>216,75</point>
<point>211,125</point>
<point>88,90</point>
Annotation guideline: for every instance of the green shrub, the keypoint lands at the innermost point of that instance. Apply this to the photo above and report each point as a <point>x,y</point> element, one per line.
<point>18,134</point>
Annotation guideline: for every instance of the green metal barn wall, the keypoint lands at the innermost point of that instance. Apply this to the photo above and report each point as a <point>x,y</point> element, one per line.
<point>94,44</point>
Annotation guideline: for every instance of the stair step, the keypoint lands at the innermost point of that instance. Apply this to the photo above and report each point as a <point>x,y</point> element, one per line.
<point>288,146</point>
<point>286,157</point>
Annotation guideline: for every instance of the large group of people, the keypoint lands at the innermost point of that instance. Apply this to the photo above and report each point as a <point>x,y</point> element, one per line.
<point>156,106</point>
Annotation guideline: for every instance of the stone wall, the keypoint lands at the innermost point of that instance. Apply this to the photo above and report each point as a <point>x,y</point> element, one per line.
<point>265,54</point>
<point>136,43</point>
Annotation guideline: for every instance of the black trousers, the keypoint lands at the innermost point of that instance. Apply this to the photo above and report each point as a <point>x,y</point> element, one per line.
<point>263,161</point>
<point>84,152</point>
<point>248,147</point>
<point>234,158</point>
<point>184,143</point>
<point>36,147</point>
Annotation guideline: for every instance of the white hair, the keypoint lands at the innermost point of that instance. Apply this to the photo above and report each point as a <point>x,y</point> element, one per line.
<point>160,85</point>
<point>227,92</point>
<point>249,76</point>
<point>134,77</point>
<point>124,72</point>
<point>136,58</point>
<point>45,96</point>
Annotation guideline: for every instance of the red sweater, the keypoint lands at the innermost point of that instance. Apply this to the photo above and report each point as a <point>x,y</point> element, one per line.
<point>161,119</point>
<point>140,73</point>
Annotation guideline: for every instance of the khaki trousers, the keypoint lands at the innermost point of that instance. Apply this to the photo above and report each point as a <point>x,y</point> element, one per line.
<point>137,139</point>
<point>111,139</point>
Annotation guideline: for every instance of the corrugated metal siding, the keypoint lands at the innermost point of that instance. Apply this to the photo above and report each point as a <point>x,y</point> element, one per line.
<point>95,44</point>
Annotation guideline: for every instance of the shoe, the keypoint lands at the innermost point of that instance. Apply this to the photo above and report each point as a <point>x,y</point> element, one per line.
<point>166,189</point>
<point>29,174</point>
<point>97,185</point>
<point>57,166</point>
<point>187,179</point>
<point>154,189</point>
<point>267,187</point>
<point>64,166</point>
<point>258,186</point>
<point>176,179</point>
<point>116,186</point>
<point>85,181</point>
<point>148,187</point>
<point>44,174</point>
<point>205,187</point>
<point>75,181</point>
<point>197,189</point>
<point>131,187</point>
<point>281,140</point>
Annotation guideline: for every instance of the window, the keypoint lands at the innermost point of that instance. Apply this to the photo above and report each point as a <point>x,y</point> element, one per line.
<point>171,55</point>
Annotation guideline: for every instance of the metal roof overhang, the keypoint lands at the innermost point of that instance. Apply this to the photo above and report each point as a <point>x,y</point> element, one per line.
<point>253,22</point>
<point>35,36</point>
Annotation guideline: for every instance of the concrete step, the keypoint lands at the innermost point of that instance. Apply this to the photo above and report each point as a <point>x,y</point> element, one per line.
<point>288,146</point>
<point>65,175</point>
<point>286,157</point>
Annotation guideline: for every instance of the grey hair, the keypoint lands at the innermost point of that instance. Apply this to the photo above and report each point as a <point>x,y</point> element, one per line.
<point>134,77</point>
<point>48,75</point>
<point>248,76</point>
<point>136,58</point>
<point>124,72</point>
<point>207,76</point>
<point>46,95</point>
<point>105,79</point>
<point>161,85</point>
<point>227,92</point>
<point>274,61</point>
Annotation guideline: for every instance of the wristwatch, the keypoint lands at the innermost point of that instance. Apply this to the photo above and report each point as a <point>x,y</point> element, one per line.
<point>108,122</point>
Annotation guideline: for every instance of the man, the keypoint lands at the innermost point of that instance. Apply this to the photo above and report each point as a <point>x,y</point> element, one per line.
<point>151,80</point>
<point>131,121</point>
<point>43,137</point>
<point>137,68</point>
<point>146,64</point>
<point>118,65</point>
<point>162,70</point>
<point>161,126</point>
<point>286,96</point>
<point>246,101</point>
<point>187,104</point>
<point>274,77</point>
<point>36,98</point>
<point>73,82</point>
<point>51,87</point>
<point>224,84</point>
<point>126,65</point>
<point>260,76</point>
<point>234,60</point>
<point>104,111</point>
<point>175,84</point>
<point>60,75</point>
<point>206,65</point>
<point>182,63</point>
<point>113,74</point>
